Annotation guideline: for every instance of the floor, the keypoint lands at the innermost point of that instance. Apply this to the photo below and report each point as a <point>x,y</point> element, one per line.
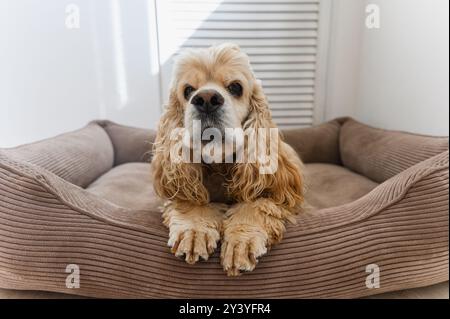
<point>439,291</point>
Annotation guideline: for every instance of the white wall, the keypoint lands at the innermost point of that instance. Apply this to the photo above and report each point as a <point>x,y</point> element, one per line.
<point>404,67</point>
<point>343,66</point>
<point>54,79</point>
<point>401,69</point>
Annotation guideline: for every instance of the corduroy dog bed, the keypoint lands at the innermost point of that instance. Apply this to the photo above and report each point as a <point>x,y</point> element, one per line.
<point>85,198</point>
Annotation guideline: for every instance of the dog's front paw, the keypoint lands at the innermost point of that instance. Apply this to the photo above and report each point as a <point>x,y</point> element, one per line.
<point>241,247</point>
<point>193,243</point>
<point>193,232</point>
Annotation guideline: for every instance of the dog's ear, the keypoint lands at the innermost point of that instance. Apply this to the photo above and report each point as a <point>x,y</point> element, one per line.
<point>284,185</point>
<point>173,179</point>
<point>259,113</point>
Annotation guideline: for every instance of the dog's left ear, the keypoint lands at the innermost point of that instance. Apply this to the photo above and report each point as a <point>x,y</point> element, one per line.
<point>171,179</point>
<point>285,185</point>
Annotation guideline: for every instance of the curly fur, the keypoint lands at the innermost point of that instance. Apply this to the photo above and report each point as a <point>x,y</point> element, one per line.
<point>285,186</point>
<point>263,201</point>
<point>175,181</point>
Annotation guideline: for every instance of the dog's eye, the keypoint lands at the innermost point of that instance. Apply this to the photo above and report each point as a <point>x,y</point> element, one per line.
<point>235,89</point>
<point>188,91</point>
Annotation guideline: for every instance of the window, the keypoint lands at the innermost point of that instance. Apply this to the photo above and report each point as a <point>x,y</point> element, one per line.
<point>285,41</point>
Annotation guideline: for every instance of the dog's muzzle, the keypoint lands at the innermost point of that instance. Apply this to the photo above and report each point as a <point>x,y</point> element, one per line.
<point>208,105</point>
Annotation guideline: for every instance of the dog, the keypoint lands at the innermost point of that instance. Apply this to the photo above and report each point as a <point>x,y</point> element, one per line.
<point>217,87</point>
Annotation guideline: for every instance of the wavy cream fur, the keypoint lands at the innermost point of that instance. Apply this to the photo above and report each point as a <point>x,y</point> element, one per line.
<point>263,202</point>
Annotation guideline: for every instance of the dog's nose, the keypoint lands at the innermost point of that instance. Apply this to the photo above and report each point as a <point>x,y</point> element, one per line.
<point>207,101</point>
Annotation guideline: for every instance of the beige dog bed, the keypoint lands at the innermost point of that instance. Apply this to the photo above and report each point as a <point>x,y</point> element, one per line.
<point>85,198</point>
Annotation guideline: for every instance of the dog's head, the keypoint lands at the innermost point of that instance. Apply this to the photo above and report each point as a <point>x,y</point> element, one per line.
<point>215,86</point>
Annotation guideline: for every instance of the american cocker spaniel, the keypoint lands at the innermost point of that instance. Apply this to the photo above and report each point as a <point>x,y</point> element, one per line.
<point>221,197</point>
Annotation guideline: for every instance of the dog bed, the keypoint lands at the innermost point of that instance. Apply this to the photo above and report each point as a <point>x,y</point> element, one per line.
<point>375,198</point>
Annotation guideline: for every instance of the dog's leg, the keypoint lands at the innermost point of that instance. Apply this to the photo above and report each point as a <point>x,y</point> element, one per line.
<point>193,230</point>
<point>250,228</point>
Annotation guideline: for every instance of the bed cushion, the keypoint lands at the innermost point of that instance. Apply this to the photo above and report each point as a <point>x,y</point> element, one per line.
<point>305,142</point>
<point>47,223</point>
<point>330,185</point>
<point>128,185</point>
<point>78,157</point>
<point>381,154</point>
<point>131,144</point>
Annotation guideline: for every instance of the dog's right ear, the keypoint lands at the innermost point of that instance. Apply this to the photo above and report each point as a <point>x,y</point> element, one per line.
<point>172,179</point>
<point>284,186</point>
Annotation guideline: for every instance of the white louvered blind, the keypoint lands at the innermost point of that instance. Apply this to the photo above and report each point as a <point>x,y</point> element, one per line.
<point>280,37</point>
